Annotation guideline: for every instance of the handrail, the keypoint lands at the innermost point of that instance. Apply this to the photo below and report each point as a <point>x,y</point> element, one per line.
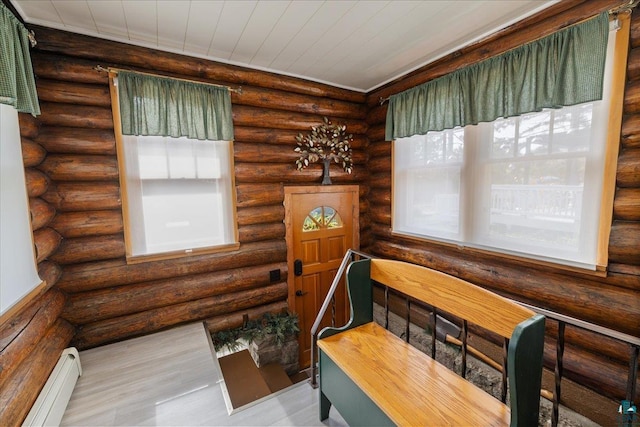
<point>346,260</point>
<point>562,319</point>
<point>592,327</point>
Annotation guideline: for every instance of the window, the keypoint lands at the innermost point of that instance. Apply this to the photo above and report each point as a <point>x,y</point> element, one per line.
<point>322,217</point>
<point>178,194</point>
<point>18,275</point>
<point>527,185</point>
<point>178,190</point>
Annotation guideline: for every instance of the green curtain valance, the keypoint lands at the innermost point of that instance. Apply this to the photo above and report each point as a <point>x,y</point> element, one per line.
<point>17,84</point>
<point>562,69</point>
<point>153,105</point>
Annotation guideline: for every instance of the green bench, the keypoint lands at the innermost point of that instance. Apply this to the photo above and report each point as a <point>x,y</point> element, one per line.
<point>374,378</point>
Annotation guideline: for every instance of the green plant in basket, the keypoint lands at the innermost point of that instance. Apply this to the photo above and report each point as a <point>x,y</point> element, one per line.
<point>281,326</point>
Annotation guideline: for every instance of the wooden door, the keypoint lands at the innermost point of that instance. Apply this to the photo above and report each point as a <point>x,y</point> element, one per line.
<point>321,225</point>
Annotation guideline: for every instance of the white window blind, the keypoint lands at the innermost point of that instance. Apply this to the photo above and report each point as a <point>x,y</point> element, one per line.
<point>528,185</point>
<point>179,194</point>
<point>18,274</point>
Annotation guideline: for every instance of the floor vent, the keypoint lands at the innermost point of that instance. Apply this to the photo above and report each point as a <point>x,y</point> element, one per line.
<point>54,397</point>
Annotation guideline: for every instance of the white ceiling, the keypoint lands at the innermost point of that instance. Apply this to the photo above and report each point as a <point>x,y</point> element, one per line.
<point>353,44</point>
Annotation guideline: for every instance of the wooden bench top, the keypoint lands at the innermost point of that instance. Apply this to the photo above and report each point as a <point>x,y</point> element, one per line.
<point>409,386</point>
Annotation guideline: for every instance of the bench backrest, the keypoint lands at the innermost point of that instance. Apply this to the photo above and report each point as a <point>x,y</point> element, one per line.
<point>453,295</point>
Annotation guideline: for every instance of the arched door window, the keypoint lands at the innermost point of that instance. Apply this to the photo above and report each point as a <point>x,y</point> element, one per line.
<point>322,217</point>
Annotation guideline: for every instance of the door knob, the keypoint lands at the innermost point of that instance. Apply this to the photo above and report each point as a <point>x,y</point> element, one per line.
<point>299,293</point>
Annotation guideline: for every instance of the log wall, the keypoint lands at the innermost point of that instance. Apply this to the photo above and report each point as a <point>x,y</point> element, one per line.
<point>109,300</point>
<point>612,301</point>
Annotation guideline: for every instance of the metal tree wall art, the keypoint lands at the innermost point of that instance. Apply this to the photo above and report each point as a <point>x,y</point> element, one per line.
<point>326,142</point>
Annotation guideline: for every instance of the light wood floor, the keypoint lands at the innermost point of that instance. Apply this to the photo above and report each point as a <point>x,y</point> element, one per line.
<point>172,378</point>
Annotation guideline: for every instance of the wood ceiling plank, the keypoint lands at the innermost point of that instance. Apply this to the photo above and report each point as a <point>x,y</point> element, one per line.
<point>203,20</point>
<point>291,23</point>
<point>142,21</point>
<point>41,13</point>
<point>234,18</point>
<point>261,23</point>
<point>109,18</point>
<point>173,18</point>
<point>75,14</point>
<point>321,21</point>
<point>371,22</point>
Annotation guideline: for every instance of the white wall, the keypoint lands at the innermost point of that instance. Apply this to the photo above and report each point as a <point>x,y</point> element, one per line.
<point>18,275</point>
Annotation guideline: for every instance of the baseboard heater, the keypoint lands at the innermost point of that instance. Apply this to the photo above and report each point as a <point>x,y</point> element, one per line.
<point>54,397</point>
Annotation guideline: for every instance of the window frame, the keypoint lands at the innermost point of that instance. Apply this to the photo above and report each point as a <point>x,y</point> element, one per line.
<point>122,171</point>
<point>610,153</point>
